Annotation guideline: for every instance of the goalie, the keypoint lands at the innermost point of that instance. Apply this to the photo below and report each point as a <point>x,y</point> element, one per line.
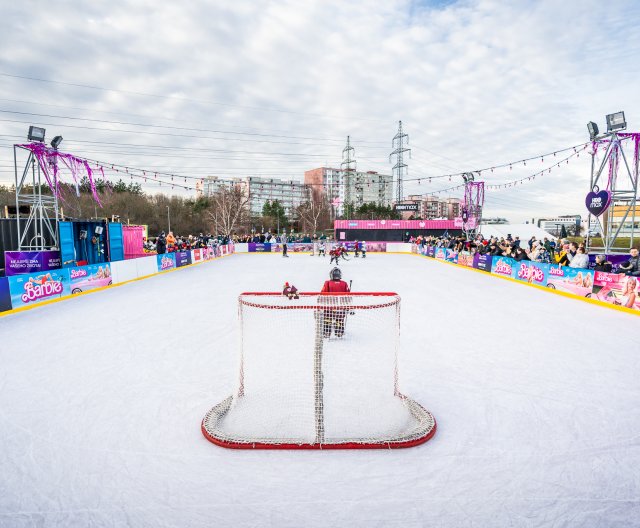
<point>334,314</point>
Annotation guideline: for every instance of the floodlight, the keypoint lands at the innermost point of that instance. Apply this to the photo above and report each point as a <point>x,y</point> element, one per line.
<point>593,130</point>
<point>55,142</point>
<point>616,122</point>
<point>36,134</point>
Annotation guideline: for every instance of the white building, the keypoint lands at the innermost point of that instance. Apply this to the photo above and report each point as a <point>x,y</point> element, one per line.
<point>341,186</point>
<point>289,193</point>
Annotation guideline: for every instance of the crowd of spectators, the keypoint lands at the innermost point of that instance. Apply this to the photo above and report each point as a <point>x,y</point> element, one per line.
<point>563,252</point>
<point>274,238</point>
<point>171,243</point>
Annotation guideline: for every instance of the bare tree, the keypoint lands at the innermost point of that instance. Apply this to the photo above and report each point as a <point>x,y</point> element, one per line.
<point>229,209</point>
<point>314,213</point>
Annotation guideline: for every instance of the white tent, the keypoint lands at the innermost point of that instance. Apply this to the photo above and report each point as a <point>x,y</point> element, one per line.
<point>524,231</point>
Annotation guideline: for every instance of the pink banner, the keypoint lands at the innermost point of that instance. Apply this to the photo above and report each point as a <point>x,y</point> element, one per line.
<point>617,288</point>
<point>394,224</point>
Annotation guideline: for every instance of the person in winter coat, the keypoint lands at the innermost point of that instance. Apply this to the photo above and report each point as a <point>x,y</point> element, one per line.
<point>580,259</point>
<point>161,244</point>
<point>632,266</point>
<point>602,264</point>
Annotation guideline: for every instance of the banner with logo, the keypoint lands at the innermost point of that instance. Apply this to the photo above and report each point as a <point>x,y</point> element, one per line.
<point>5,295</point>
<point>183,258</point>
<point>31,288</point>
<point>504,267</point>
<point>465,259</point>
<point>85,278</point>
<point>166,261</point>
<point>431,251</point>
<point>532,272</point>
<point>617,288</point>
<point>482,262</point>
<point>256,247</point>
<point>18,262</point>
<point>440,253</point>
<point>572,280</point>
<point>451,256</point>
<point>197,255</point>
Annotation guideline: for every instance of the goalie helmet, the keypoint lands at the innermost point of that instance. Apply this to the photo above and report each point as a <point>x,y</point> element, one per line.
<point>335,274</point>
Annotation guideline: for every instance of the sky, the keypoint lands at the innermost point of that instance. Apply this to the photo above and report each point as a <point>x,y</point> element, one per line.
<point>265,88</point>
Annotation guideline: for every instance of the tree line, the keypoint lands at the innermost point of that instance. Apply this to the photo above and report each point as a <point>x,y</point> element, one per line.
<point>225,212</point>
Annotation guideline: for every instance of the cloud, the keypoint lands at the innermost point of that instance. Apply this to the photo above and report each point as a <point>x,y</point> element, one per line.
<point>476,83</point>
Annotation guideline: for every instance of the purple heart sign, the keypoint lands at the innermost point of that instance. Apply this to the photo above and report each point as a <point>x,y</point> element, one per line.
<point>597,201</point>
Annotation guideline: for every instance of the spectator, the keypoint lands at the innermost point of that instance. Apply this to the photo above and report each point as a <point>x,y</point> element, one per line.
<point>580,259</point>
<point>531,241</point>
<point>631,267</point>
<point>519,254</point>
<point>161,244</point>
<point>561,256</point>
<point>602,264</point>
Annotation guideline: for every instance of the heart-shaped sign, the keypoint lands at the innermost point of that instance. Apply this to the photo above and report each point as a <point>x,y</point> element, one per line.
<point>598,201</point>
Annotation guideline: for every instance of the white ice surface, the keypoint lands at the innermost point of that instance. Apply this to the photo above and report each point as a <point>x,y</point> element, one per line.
<point>536,396</point>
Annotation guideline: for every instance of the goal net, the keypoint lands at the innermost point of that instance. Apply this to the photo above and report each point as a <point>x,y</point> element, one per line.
<point>318,372</point>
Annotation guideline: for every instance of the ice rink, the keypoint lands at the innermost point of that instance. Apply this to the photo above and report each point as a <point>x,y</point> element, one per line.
<point>537,399</point>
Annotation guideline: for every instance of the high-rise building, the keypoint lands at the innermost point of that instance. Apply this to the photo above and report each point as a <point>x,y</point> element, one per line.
<point>340,186</point>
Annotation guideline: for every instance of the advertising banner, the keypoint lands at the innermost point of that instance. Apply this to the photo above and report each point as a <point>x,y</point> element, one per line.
<point>504,267</point>
<point>17,262</point>
<point>298,247</point>
<point>617,288</point>
<point>183,258</point>
<point>208,253</point>
<point>84,278</point>
<point>166,261</point>
<point>440,253</point>
<point>256,247</point>
<point>482,262</point>
<point>451,256</point>
<point>465,259</point>
<point>31,288</point>
<point>5,295</point>
<point>573,280</point>
<point>431,251</point>
<point>532,272</point>
<point>197,255</point>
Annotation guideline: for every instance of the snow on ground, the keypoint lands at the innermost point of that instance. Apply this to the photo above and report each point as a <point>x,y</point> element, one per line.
<point>536,397</point>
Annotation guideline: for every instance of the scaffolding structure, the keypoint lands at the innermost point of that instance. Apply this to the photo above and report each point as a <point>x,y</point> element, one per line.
<point>622,184</point>
<point>472,205</point>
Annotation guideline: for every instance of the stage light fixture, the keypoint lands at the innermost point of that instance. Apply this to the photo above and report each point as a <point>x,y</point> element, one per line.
<point>593,130</point>
<point>55,142</point>
<point>616,122</point>
<point>36,134</point>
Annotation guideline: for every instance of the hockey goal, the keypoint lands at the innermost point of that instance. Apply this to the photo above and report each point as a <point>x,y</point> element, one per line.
<point>318,372</point>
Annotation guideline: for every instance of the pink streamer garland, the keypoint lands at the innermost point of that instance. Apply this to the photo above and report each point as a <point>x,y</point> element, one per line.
<point>49,157</point>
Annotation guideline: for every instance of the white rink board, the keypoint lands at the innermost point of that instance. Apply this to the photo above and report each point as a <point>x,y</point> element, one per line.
<point>536,398</point>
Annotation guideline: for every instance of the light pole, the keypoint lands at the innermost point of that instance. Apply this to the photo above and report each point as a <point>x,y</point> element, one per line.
<point>168,219</point>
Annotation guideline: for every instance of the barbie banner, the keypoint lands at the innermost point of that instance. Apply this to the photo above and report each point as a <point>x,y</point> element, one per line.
<point>29,289</point>
<point>572,280</point>
<point>85,278</point>
<point>166,261</point>
<point>617,288</point>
